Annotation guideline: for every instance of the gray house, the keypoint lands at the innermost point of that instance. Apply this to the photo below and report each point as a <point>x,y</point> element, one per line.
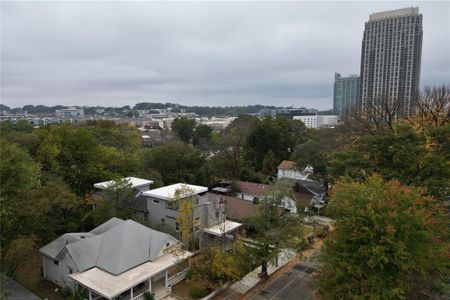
<point>162,206</point>
<point>117,260</point>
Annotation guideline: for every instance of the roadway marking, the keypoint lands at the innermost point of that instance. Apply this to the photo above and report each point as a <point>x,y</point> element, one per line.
<point>293,279</point>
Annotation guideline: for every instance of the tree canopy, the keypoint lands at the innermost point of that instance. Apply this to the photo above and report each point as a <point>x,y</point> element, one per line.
<point>388,242</point>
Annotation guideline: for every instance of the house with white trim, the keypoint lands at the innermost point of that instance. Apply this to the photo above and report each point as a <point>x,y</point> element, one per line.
<point>288,170</point>
<point>116,260</point>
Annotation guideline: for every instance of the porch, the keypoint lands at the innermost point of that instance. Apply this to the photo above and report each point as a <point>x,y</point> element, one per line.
<point>154,277</point>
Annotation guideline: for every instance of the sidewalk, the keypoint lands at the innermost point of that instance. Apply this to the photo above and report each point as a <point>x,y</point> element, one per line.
<point>252,279</point>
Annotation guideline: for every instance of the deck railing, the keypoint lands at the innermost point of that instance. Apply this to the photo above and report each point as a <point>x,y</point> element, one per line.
<point>177,277</point>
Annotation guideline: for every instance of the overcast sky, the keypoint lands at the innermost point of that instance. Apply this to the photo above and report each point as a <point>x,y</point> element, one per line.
<point>195,53</point>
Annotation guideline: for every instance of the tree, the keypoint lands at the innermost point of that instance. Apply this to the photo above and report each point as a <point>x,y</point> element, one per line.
<point>184,128</point>
<point>176,162</point>
<point>433,107</point>
<point>387,236</point>
<point>51,209</point>
<point>275,228</point>
<point>270,163</point>
<point>277,135</point>
<point>23,125</point>
<point>18,253</point>
<point>232,142</point>
<point>18,175</point>
<point>419,158</point>
<point>118,193</point>
<point>202,136</point>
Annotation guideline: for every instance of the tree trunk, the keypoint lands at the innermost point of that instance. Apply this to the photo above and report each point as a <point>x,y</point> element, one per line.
<point>263,274</point>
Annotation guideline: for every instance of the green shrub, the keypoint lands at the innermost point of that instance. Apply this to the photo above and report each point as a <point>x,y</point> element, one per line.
<point>198,292</point>
<point>149,296</point>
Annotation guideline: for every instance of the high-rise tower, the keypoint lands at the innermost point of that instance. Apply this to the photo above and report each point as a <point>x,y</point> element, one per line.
<point>345,95</point>
<point>390,58</point>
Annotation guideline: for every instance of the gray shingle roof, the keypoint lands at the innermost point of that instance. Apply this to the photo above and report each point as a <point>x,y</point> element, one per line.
<point>115,246</point>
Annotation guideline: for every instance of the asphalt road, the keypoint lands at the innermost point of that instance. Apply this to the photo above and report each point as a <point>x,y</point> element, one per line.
<point>293,284</point>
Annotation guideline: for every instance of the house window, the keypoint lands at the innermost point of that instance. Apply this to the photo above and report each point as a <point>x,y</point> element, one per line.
<point>163,222</point>
<point>55,262</point>
<point>70,271</point>
<point>255,200</point>
<point>155,201</point>
<point>177,226</point>
<point>174,204</point>
<point>196,224</point>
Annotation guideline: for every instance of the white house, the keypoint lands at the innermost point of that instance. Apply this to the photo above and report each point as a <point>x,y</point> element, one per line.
<point>254,192</point>
<point>118,259</point>
<point>288,170</point>
<point>135,183</point>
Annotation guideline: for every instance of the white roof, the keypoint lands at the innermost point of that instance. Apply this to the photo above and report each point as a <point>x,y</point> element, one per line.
<point>135,182</point>
<point>109,285</point>
<point>168,192</point>
<point>222,228</point>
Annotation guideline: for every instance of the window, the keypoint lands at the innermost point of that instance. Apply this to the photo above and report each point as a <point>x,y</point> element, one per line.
<point>196,224</point>
<point>55,262</point>
<point>177,226</point>
<point>70,271</point>
<point>155,201</point>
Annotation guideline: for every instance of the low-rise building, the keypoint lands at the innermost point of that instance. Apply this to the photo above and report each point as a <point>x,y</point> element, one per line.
<point>118,259</point>
<point>318,121</point>
<point>70,113</point>
<point>288,170</point>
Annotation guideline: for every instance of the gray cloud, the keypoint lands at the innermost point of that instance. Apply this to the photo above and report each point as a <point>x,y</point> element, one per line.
<point>195,53</point>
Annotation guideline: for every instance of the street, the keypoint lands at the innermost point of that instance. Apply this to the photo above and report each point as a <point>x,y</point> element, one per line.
<point>293,284</point>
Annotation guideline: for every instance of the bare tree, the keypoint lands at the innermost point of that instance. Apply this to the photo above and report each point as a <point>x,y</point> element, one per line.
<point>433,107</point>
<point>381,112</point>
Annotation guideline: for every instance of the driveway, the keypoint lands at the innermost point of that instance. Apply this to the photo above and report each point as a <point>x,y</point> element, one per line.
<point>15,291</point>
<point>293,284</point>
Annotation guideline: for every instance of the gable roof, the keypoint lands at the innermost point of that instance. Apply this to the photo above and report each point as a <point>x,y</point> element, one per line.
<point>115,246</point>
<point>287,165</point>
<point>313,186</point>
<point>251,188</point>
<point>134,181</point>
<point>168,192</point>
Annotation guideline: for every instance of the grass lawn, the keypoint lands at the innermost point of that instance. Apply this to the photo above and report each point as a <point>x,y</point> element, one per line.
<point>29,275</point>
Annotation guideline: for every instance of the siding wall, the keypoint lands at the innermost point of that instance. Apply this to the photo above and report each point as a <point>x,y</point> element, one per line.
<point>59,274</point>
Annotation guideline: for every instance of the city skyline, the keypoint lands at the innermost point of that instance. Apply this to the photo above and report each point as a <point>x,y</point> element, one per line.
<point>115,54</point>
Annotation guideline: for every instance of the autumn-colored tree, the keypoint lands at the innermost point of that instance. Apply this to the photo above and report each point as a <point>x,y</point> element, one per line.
<point>275,228</point>
<point>419,158</point>
<point>18,253</point>
<point>386,238</point>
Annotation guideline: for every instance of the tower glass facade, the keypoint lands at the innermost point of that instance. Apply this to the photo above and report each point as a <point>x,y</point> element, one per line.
<point>346,94</point>
<point>390,58</point>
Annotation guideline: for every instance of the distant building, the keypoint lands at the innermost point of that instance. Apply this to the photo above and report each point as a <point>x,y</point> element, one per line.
<point>318,121</point>
<point>288,170</point>
<point>346,94</point>
<point>390,58</point>
<point>70,113</point>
